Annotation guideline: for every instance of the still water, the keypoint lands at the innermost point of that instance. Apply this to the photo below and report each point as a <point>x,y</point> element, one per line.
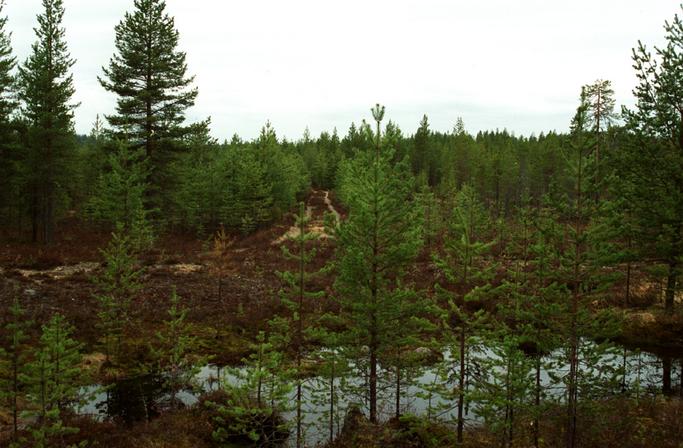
<point>622,370</point>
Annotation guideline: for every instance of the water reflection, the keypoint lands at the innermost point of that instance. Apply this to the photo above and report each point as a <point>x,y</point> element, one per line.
<point>144,397</point>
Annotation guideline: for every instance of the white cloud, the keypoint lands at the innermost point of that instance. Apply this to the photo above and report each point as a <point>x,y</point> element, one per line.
<point>498,63</point>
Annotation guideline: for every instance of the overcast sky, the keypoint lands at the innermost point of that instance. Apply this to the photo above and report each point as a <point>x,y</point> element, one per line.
<point>497,63</point>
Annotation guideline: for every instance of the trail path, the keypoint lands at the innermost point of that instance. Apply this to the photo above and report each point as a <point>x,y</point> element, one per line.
<point>319,203</point>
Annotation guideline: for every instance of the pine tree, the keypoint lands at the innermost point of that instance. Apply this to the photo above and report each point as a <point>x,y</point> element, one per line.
<point>252,204</point>
<point>327,390</point>
<point>8,105</point>
<point>147,73</point>
<point>118,283</point>
<point>578,266</point>
<point>284,170</point>
<point>53,381</point>
<point>13,361</point>
<point>650,166</point>
<point>411,314</point>
<point>376,243</point>
<point>429,205</point>
<point>601,115</point>
<point>120,189</point>
<point>295,295</point>
<point>7,64</point>
<point>173,350</point>
<point>119,197</point>
<point>542,307</point>
<point>256,395</point>
<point>505,382</point>
<point>46,90</point>
<point>579,148</point>
<point>422,153</point>
<point>468,274</point>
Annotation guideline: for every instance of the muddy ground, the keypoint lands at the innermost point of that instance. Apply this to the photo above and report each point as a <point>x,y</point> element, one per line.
<point>231,293</point>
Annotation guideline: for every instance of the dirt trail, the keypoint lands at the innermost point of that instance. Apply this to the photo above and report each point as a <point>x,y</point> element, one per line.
<point>318,204</point>
<point>330,207</point>
<point>61,272</point>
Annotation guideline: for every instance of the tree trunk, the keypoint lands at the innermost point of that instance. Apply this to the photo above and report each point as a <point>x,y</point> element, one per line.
<point>627,297</point>
<point>332,402</point>
<point>398,390</point>
<point>671,281</point>
<point>461,387</point>
<point>15,388</point>
<point>537,402</point>
<point>373,374</point>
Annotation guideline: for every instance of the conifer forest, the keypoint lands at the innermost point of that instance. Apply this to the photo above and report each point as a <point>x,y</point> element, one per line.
<point>365,287</point>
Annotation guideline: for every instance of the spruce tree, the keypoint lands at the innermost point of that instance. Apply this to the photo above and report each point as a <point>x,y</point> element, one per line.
<point>378,241</point>
<point>147,73</point>
<point>46,90</point>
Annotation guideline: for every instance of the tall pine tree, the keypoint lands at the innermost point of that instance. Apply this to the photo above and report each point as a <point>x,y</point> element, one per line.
<point>377,242</point>
<point>148,75</point>
<point>46,90</point>
<point>8,105</point>
<point>650,168</point>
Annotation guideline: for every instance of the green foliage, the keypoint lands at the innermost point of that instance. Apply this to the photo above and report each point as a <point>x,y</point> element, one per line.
<point>255,396</point>
<point>120,188</point>
<point>119,281</point>
<point>13,361</point>
<point>8,106</point>
<point>468,269</point>
<point>377,242</point>
<point>46,90</point>
<point>173,350</point>
<point>501,393</point>
<point>423,158</point>
<point>119,196</point>
<point>650,165</point>
<point>7,64</point>
<point>321,158</point>
<point>284,169</point>
<point>240,187</point>
<point>53,380</point>
<point>295,295</point>
<point>148,75</point>
<point>329,387</point>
